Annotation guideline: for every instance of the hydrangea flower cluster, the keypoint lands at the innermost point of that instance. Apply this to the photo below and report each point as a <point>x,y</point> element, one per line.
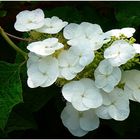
<point>94,68</point>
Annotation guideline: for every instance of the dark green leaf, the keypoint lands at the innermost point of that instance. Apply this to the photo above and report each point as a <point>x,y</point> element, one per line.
<point>20,119</point>
<point>128,13</point>
<point>3,13</point>
<point>69,14</point>
<point>10,90</point>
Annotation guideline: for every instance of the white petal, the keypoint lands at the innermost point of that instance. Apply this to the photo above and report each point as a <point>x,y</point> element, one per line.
<point>49,67</point>
<point>111,83</point>
<point>70,89</point>
<point>92,98</point>
<point>129,91</point>
<point>90,29</point>
<point>102,112</point>
<point>108,88</point>
<point>67,73</point>
<point>89,120</point>
<point>100,81</point>
<point>79,41</point>
<point>106,98</point>
<point>86,59</point>
<point>113,32</point>
<point>119,112</point>
<point>117,74</point>
<point>77,102</point>
<point>88,83</point>
<point>105,67</point>
<point>136,47</point>
<point>128,32</point>
<point>70,31</point>
<point>30,83</point>
<point>78,132</point>
<point>76,69</point>
<point>70,117</point>
<point>136,94</point>
<point>21,28</point>
<point>36,77</point>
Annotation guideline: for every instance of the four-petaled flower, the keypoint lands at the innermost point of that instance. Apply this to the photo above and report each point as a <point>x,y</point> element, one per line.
<point>82,94</point>
<point>115,105</point>
<point>107,76</point>
<point>79,123</point>
<point>45,47</point>
<point>119,52</point>
<point>43,72</point>
<point>69,65</point>
<point>92,34</point>
<point>29,20</point>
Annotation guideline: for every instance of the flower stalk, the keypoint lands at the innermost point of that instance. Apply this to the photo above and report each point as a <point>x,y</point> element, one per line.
<point>18,38</point>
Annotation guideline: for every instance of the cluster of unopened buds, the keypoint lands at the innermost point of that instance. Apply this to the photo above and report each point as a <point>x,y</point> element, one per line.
<point>94,68</point>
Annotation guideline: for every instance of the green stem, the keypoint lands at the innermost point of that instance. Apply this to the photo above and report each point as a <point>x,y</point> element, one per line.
<point>18,38</point>
<point>12,44</point>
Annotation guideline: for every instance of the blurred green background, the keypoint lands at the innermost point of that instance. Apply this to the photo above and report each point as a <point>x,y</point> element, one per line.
<point>39,115</point>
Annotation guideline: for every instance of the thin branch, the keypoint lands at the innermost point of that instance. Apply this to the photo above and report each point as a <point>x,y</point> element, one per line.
<point>18,38</point>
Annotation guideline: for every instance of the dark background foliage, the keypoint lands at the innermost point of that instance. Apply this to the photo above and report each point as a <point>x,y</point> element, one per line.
<point>38,116</point>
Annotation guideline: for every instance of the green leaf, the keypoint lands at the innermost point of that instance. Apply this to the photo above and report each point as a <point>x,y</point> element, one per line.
<point>10,90</point>
<point>128,13</point>
<point>67,13</point>
<point>3,13</point>
<point>20,119</point>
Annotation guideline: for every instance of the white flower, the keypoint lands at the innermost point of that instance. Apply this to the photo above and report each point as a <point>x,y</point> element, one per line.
<point>84,53</point>
<point>116,106</point>
<point>29,20</point>
<point>52,25</point>
<point>82,94</point>
<point>131,78</point>
<point>107,76</point>
<point>128,32</point>
<point>45,47</point>
<point>43,73</point>
<point>69,65</point>
<point>119,52</point>
<point>79,123</point>
<point>90,33</point>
